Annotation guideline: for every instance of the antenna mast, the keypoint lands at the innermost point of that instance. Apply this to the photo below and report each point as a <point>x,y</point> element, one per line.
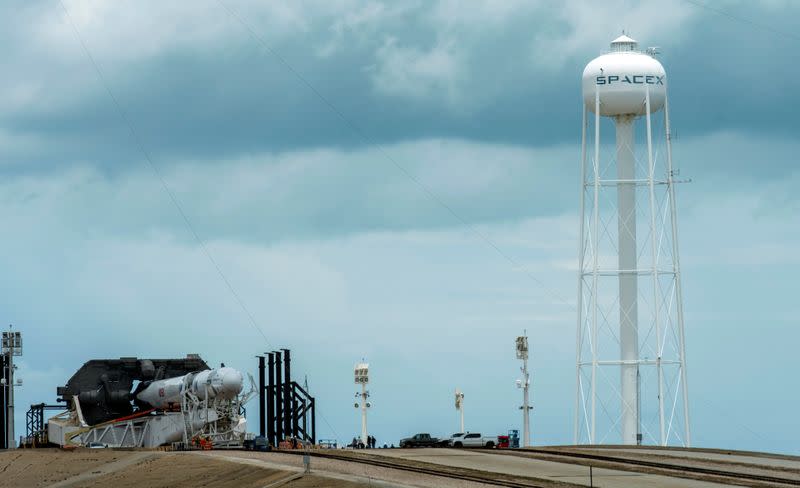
<point>524,383</point>
<point>460,406</point>
<point>362,378</point>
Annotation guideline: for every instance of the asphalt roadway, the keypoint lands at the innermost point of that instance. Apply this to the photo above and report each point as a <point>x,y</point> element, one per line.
<point>571,473</point>
<point>766,460</point>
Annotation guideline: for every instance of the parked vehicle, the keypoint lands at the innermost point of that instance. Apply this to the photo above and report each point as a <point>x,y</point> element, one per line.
<point>420,440</point>
<point>475,439</point>
<point>453,439</point>
<point>328,443</point>
<point>510,441</point>
<point>257,444</point>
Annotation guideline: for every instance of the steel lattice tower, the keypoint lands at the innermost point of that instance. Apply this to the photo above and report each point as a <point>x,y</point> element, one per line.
<point>631,369</point>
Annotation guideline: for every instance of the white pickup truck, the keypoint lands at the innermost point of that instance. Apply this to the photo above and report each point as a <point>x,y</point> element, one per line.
<point>475,439</point>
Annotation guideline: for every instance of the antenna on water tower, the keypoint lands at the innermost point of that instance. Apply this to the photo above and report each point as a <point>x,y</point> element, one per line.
<point>524,383</point>
<point>631,306</point>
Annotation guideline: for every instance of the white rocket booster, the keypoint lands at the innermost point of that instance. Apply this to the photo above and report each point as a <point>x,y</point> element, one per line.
<point>222,382</point>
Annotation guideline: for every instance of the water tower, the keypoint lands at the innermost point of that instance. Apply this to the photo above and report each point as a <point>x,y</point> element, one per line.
<point>631,369</point>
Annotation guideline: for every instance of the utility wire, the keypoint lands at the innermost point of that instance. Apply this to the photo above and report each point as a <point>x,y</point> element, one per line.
<point>429,193</point>
<point>778,32</point>
<point>743,20</point>
<point>336,434</point>
<point>140,146</point>
<point>371,141</point>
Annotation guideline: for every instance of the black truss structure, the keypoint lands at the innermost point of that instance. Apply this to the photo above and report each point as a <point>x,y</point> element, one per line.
<point>289,408</point>
<point>35,428</point>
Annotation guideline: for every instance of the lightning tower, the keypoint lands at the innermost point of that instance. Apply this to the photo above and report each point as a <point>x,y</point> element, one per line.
<point>10,347</point>
<point>460,407</point>
<point>631,361</point>
<point>361,374</point>
<point>524,383</point>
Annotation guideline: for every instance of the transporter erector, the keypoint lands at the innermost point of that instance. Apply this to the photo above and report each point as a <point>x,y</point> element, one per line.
<point>131,402</point>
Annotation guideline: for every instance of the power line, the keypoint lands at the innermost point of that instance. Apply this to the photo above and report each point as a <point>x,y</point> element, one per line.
<point>138,142</point>
<point>743,20</point>
<point>366,138</point>
<point>369,140</point>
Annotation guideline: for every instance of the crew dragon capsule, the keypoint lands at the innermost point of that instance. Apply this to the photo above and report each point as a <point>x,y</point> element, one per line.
<point>223,383</point>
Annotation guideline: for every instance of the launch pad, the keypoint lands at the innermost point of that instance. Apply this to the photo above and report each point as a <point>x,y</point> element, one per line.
<point>131,402</point>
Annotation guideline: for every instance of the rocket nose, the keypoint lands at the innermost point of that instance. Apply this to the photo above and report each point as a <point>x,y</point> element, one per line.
<point>232,382</point>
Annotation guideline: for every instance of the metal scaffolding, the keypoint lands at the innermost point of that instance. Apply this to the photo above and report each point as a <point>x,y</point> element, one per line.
<point>290,410</point>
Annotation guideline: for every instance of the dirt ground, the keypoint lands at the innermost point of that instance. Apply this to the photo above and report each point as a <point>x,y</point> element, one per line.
<point>94,468</point>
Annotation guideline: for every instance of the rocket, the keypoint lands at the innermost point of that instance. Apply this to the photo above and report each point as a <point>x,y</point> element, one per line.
<point>224,382</point>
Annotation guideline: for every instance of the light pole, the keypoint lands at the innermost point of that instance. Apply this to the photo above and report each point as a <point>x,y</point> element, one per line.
<point>362,378</point>
<point>10,346</point>
<point>524,383</point>
<point>460,406</point>
<point>3,404</point>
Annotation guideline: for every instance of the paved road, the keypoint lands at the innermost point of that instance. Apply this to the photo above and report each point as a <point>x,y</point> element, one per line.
<point>541,469</point>
<point>792,462</point>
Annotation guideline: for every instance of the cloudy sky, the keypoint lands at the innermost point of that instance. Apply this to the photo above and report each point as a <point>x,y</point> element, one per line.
<point>344,163</point>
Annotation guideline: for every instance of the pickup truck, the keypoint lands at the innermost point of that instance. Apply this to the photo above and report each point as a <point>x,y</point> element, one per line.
<point>420,440</point>
<point>453,439</point>
<point>474,439</point>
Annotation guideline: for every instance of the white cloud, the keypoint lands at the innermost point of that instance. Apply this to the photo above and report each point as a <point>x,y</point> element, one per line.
<point>85,278</point>
<point>299,194</point>
<point>363,23</point>
<point>129,30</point>
<point>584,30</point>
<point>414,73</point>
<point>454,57</point>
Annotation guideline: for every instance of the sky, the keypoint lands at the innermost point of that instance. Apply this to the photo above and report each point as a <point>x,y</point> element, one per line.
<point>393,181</point>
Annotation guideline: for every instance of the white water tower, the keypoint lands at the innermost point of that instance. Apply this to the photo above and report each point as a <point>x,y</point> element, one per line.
<point>631,370</point>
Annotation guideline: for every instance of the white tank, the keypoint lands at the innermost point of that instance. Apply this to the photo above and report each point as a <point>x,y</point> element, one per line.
<point>622,78</point>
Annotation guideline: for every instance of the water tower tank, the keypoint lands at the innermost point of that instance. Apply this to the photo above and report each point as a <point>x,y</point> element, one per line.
<point>622,78</point>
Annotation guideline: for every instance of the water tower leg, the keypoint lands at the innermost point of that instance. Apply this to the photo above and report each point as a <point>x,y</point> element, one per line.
<point>628,310</point>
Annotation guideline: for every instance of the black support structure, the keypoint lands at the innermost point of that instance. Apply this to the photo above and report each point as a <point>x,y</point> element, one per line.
<point>287,394</point>
<point>35,428</point>
<point>289,407</point>
<point>270,399</point>
<point>262,422</point>
<point>277,394</point>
